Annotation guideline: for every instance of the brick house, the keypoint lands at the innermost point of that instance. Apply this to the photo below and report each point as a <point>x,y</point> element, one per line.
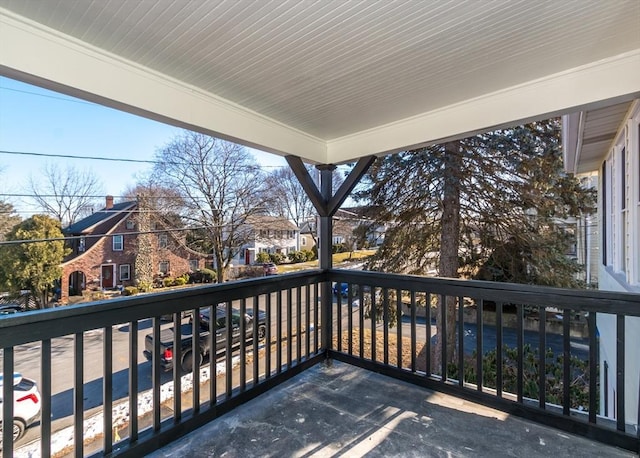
<point>104,249</point>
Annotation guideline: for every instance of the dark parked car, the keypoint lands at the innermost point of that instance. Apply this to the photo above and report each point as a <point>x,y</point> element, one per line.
<point>221,320</point>
<point>186,361</point>
<point>10,309</point>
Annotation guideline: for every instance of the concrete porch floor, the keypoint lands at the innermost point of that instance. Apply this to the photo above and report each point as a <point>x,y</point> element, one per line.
<point>342,410</point>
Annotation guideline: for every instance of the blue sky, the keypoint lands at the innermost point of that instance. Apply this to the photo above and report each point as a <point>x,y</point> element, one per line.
<point>35,120</point>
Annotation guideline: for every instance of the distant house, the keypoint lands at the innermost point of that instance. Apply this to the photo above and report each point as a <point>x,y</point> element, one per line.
<point>346,222</point>
<point>606,141</point>
<point>268,234</point>
<point>104,249</point>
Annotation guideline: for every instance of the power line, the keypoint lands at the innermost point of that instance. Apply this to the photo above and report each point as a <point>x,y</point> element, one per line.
<point>48,96</point>
<point>98,236</point>
<point>120,159</point>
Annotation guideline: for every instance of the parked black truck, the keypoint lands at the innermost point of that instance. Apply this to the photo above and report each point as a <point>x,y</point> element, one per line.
<point>186,360</point>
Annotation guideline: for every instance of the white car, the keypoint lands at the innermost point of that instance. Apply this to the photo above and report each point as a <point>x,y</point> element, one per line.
<point>26,405</point>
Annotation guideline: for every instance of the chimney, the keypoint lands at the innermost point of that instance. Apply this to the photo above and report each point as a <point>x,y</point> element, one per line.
<point>108,203</point>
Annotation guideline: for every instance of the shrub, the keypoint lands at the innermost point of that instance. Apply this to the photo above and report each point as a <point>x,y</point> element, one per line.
<point>579,377</point>
<point>310,254</point>
<point>144,286</point>
<point>180,281</point>
<point>297,256</point>
<point>263,257</point>
<point>167,282</point>
<point>277,258</point>
<point>130,291</point>
<point>202,276</point>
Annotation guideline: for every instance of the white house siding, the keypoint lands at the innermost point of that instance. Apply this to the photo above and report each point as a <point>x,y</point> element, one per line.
<point>619,203</point>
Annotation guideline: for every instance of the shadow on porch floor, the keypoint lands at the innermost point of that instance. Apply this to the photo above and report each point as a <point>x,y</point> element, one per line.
<point>342,410</point>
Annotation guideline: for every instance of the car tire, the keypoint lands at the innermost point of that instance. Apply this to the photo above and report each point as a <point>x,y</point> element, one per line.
<point>187,361</point>
<point>262,332</point>
<point>18,431</point>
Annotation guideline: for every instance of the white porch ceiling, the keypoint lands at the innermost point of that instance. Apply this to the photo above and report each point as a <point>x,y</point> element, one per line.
<point>329,81</point>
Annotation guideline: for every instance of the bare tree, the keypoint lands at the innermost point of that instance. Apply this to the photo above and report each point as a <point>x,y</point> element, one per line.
<point>287,198</point>
<point>221,186</point>
<point>66,194</point>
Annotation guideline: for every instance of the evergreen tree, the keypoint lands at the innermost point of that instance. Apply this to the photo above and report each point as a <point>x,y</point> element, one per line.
<point>488,206</point>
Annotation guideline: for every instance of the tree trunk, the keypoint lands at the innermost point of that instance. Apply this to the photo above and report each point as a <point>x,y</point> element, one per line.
<point>449,247</point>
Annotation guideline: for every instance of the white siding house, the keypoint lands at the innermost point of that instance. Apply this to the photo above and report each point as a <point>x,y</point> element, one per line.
<point>268,234</point>
<point>607,141</point>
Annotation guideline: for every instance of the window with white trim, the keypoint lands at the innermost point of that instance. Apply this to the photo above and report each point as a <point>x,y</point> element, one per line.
<point>118,243</point>
<point>194,265</point>
<point>124,272</point>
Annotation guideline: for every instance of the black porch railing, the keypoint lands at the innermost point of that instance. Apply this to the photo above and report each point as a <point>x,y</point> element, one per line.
<point>88,359</point>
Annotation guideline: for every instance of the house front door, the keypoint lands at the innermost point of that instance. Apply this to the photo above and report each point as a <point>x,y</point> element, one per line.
<point>107,276</point>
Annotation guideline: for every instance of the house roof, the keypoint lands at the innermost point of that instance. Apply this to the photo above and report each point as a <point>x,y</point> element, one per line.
<point>588,135</point>
<point>85,224</point>
<point>271,222</point>
<point>329,81</point>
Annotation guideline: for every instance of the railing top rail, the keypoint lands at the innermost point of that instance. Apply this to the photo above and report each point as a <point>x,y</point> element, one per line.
<point>575,299</point>
<point>36,325</point>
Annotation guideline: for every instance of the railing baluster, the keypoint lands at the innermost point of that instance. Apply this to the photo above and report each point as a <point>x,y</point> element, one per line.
<point>290,328</point>
<point>7,396</point>
<point>460,341</point>
<point>499,349</point>
<point>361,319</point>
<point>399,326</point>
<point>243,345</point>
<point>45,393</point>
<point>413,330</point>
<point>566,366</point>
<point>520,363</point>
<point>155,373</point>
<point>479,344</point>
<point>307,316</point>
<point>542,358</point>
<point>213,355</point>
<point>256,355</point>
<point>133,382</point>
<point>298,324</point>
<point>195,362</point>
<point>316,329</point>
<point>267,338</point>
<point>443,338</point>
<point>427,353</point>
<point>279,332</point>
<point>228,326</point>
<point>350,317</point>
<point>177,358</point>
<point>620,373</point>
<point>107,390</point>
<point>339,315</point>
<point>385,325</point>
<point>593,368</point>
<point>78,395</point>
<point>372,295</point>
